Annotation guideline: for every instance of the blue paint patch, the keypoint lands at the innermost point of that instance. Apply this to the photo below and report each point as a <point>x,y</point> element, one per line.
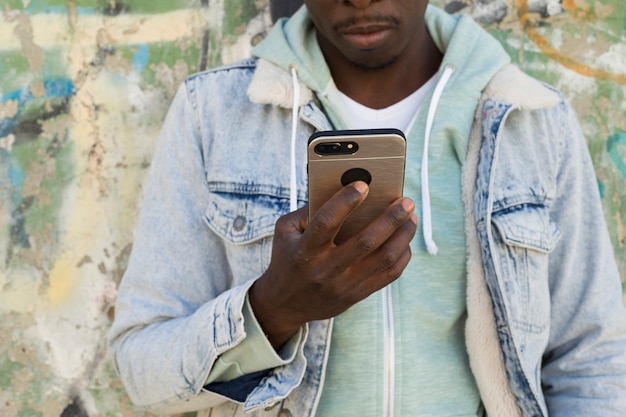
<point>80,11</point>
<point>16,177</point>
<point>140,58</point>
<point>601,189</point>
<point>13,182</point>
<point>54,88</point>
<point>612,147</point>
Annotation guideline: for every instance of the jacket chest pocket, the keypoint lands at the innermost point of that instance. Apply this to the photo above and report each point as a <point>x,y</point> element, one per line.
<point>244,220</point>
<point>525,236</point>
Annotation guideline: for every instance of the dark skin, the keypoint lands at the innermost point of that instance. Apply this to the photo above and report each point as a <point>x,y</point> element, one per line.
<point>379,52</point>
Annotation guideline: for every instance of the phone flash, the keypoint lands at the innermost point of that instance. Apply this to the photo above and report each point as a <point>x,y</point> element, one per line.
<point>350,146</point>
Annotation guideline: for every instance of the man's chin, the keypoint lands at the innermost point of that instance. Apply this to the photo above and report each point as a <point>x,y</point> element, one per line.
<point>373,64</point>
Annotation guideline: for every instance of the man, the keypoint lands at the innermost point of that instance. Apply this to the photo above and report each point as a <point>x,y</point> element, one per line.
<point>506,302</point>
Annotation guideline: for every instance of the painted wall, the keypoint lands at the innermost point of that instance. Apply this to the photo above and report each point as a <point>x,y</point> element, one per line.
<point>84,86</point>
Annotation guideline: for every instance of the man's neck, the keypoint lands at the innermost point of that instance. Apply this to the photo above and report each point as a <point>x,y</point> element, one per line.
<point>380,88</point>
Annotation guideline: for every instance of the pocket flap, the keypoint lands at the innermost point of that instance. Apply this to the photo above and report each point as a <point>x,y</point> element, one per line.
<point>244,217</point>
<point>528,226</point>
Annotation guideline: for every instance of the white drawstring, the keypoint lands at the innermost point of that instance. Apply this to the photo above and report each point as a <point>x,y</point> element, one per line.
<point>427,227</point>
<point>293,190</point>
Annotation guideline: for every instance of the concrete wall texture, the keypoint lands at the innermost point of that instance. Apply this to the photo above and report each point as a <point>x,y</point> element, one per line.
<point>84,86</point>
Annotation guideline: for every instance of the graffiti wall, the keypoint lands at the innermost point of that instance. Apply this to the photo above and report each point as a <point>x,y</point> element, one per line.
<point>84,86</point>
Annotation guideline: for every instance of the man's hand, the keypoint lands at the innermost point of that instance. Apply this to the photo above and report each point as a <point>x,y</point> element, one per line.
<point>312,278</point>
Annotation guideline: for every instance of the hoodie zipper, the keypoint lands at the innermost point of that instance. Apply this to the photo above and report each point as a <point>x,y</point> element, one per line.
<point>388,319</point>
<point>389,353</point>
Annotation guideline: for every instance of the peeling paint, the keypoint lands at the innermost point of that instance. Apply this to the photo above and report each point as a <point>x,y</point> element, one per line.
<point>23,30</point>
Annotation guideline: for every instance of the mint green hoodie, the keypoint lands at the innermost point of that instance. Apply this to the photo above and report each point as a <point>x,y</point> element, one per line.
<point>418,358</point>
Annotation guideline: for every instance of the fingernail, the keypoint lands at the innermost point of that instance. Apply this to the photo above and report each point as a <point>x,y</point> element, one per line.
<point>408,204</point>
<point>413,218</point>
<point>360,186</point>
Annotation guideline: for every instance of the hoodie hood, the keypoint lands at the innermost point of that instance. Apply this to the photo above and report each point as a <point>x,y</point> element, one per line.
<point>474,54</point>
<point>292,43</point>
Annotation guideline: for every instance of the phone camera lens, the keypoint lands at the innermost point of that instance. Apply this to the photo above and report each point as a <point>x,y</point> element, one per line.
<point>328,148</point>
<point>336,148</point>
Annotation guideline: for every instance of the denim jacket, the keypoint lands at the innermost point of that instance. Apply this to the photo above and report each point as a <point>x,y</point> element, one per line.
<point>546,327</point>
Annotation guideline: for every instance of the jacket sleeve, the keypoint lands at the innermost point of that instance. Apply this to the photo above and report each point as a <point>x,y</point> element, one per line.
<point>176,311</point>
<point>584,367</point>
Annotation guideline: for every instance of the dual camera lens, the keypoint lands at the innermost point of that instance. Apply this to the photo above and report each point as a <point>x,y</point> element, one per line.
<point>336,148</point>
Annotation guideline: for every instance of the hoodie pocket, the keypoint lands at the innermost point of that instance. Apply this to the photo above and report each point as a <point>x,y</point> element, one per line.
<point>526,236</point>
<point>244,219</point>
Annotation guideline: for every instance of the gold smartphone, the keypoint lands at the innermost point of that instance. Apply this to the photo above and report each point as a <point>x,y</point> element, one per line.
<point>339,157</point>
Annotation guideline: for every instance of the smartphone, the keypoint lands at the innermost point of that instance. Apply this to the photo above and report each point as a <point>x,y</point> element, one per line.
<point>339,157</point>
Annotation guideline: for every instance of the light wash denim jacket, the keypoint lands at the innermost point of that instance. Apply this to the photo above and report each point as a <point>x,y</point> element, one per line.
<point>546,327</point>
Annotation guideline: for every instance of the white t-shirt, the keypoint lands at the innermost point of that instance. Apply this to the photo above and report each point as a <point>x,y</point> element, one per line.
<point>399,115</point>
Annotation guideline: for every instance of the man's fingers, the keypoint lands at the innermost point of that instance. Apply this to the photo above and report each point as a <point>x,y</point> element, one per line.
<point>371,237</point>
<point>386,263</point>
<point>384,260</point>
<point>382,279</point>
<point>325,224</point>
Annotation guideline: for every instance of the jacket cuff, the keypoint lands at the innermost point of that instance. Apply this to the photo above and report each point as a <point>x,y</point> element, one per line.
<point>282,380</point>
<point>254,353</point>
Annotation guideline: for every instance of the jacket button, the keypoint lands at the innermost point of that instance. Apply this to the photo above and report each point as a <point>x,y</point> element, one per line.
<point>284,413</point>
<point>239,223</point>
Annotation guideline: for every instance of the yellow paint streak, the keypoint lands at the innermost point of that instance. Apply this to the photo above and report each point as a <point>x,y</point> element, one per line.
<point>53,30</point>
<point>63,279</point>
<point>551,52</point>
<point>569,5</point>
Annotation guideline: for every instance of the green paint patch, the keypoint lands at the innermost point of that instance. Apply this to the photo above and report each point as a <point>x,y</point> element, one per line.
<point>615,24</point>
<point>12,64</point>
<point>51,160</point>
<point>55,64</point>
<point>607,90</point>
<point>614,144</point>
<point>43,215</point>
<point>107,7</point>
<point>237,14</point>
<point>36,110</point>
<point>45,6</point>
<point>15,73</point>
<point>154,6</point>
<point>167,53</point>
<point>26,411</point>
<point>141,6</point>
<point>7,369</point>
<point>14,4</point>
